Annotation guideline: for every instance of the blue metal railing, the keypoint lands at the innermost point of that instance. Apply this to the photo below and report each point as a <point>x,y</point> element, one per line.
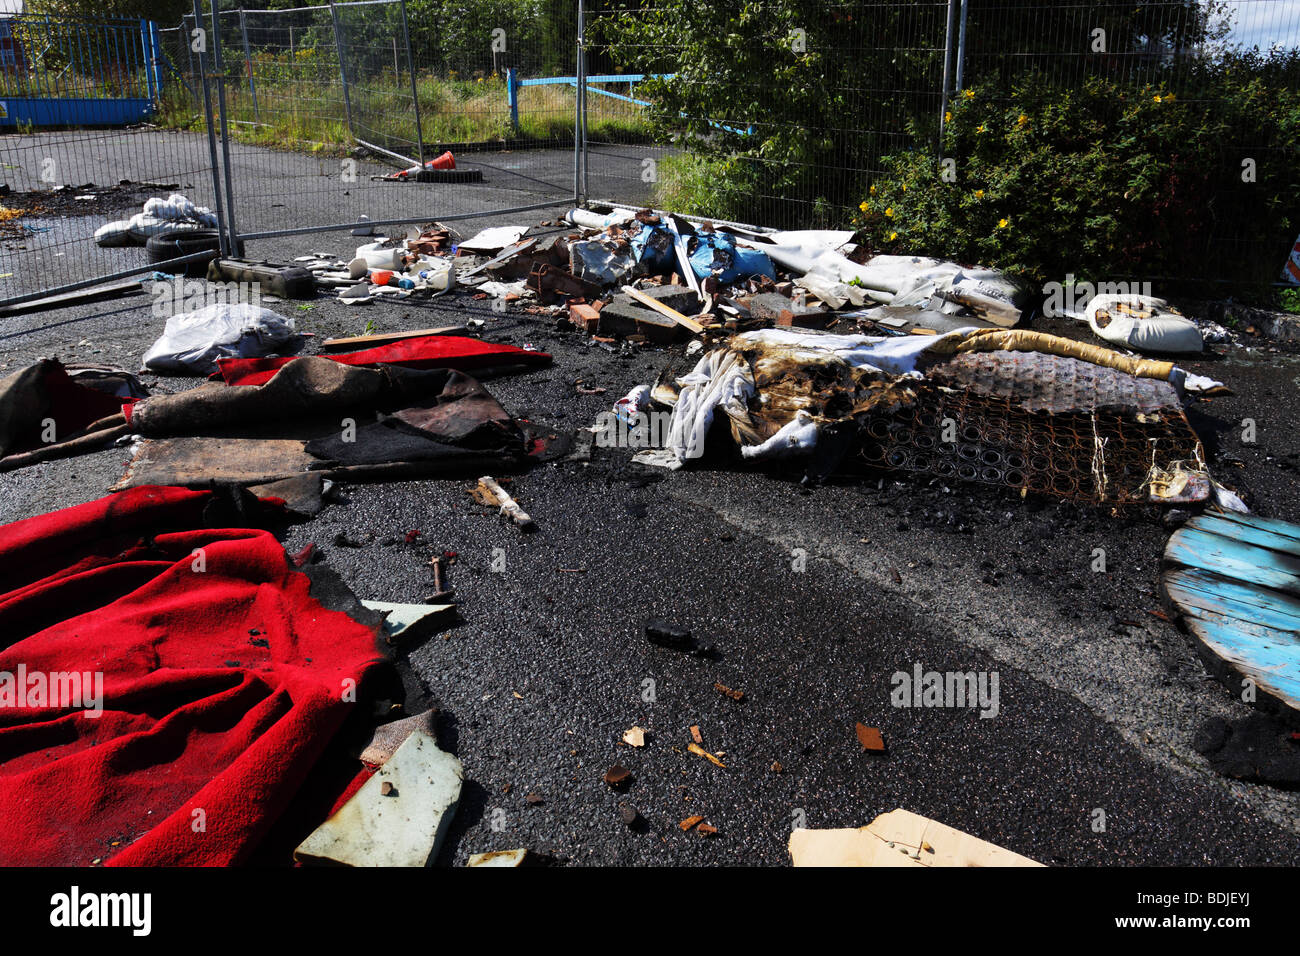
<point>514,85</point>
<point>57,71</point>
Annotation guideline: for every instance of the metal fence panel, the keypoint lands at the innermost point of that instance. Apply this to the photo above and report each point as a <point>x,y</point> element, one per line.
<point>324,102</point>
<point>69,164</point>
<point>818,96</point>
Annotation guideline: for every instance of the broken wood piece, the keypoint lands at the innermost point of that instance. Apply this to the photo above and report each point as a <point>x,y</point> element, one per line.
<point>899,838</point>
<point>871,739</point>
<point>509,506</point>
<point>736,695</point>
<point>358,342</point>
<point>700,751</point>
<point>652,303</point>
<point>690,822</point>
<point>634,737</point>
<point>498,858</point>
<point>404,828</point>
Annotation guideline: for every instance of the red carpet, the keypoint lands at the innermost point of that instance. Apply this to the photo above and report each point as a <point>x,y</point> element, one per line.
<point>221,685</point>
<point>429,351</point>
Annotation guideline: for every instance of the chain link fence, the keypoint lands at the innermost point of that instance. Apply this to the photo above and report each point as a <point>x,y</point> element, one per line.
<point>325,104</point>
<point>791,114</point>
<point>806,115</point>
<point>66,88</point>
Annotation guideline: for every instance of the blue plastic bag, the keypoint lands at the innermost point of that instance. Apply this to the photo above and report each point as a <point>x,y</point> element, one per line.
<point>717,254</point>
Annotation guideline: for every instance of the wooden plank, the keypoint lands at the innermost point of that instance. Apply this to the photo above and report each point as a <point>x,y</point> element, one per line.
<point>1236,581</point>
<point>662,309</point>
<point>80,297</point>
<point>1273,666</point>
<point>1233,559</point>
<point>1200,589</point>
<point>1283,529</point>
<point>358,342</point>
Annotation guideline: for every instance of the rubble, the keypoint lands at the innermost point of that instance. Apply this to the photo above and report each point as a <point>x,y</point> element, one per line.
<point>794,351</point>
<point>399,816</point>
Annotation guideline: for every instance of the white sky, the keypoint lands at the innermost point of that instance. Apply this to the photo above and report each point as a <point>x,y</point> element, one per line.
<point>1265,22</point>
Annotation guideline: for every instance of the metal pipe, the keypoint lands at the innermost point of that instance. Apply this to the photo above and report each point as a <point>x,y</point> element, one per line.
<point>415,90</point>
<point>248,66</point>
<point>947,58</point>
<point>229,246</point>
<point>961,48</point>
<point>349,226</point>
<point>98,280</point>
<point>577,110</point>
<point>212,133</point>
<point>343,70</point>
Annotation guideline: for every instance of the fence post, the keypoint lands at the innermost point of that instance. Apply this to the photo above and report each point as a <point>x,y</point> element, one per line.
<point>415,88</point>
<point>961,48</point>
<point>156,51</point>
<point>512,97</point>
<point>343,69</point>
<point>579,110</point>
<point>207,121</point>
<point>947,62</point>
<point>248,65</point>
<point>219,70</point>
<point>146,54</point>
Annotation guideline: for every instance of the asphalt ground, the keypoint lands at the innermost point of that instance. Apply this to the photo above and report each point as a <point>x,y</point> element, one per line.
<point>550,664</point>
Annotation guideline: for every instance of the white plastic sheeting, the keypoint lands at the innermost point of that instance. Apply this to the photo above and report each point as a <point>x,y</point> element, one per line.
<point>192,342</point>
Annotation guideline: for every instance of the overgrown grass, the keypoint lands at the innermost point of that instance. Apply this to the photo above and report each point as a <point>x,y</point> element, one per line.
<point>309,113</point>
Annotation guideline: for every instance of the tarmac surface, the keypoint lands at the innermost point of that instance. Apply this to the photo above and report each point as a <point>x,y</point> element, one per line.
<point>1098,699</point>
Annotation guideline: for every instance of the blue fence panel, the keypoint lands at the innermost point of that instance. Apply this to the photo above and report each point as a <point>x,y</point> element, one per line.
<point>63,72</point>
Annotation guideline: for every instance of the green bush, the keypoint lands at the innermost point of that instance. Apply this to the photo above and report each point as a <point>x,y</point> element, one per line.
<point>1103,182</point>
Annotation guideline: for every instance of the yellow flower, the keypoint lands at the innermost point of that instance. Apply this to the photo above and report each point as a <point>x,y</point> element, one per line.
<point>1022,120</point>
<point>872,190</point>
<point>979,194</point>
<point>980,128</point>
<point>904,187</point>
<point>893,236</point>
<point>1003,223</point>
<point>890,212</point>
<point>1157,97</point>
<point>968,94</point>
<point>863,207</point>
<point>947,117</point>
<point>1169,97</point>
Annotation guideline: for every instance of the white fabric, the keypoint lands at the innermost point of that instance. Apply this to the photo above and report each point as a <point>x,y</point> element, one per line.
<point>797,436</point>
<point>720,379</point>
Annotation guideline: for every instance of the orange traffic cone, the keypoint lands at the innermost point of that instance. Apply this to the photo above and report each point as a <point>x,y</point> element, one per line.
<point>445,161</point>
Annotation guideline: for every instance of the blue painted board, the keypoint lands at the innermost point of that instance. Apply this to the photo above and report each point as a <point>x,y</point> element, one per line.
<point>1236,581</point>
